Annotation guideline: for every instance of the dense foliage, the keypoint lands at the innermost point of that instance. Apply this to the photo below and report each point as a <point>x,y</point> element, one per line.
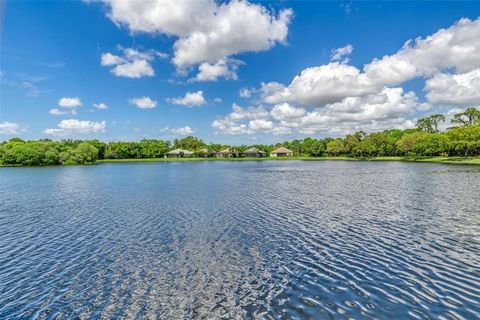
<point>425,140</point>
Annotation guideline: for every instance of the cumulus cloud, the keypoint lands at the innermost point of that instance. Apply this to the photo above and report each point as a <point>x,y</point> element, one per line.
<point>456,48</point>
<point>286,111</point>
<point>341,98</point>
<point>274,92</point>
<point>191,99</point>
<point>240,113</point>
<point>454,89</point>
<point>260,125</point>
<point>317,86</point>
<point>226,126</point>
<point>183,131</point>
<point>10,128</point>
<point>109,59</point>
<point>341,54</point>
<point>206,31</point>
<point>378,111</point>
<point>67,107</point>
<point>223,68</point>
<point>245,93</point>
<point>143,102</point>
<point>132,63</point>
<point>230,124</point>
<point>74,126</point>
<point>69,102</point>
<point>134,69</point>
<point>386,109</point>
<point>100,106</point>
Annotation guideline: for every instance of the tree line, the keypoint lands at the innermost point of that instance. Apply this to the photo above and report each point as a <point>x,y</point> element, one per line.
<point>462,139</point>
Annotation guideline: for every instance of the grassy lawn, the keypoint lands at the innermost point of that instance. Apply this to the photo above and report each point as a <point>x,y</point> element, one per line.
<point>457,160</point>
<point>454,160</point>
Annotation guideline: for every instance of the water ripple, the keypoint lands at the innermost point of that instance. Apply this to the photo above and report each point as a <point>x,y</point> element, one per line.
<point>247,240</point>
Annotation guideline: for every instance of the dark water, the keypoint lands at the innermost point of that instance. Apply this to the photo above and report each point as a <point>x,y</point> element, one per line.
<point>276,239</point>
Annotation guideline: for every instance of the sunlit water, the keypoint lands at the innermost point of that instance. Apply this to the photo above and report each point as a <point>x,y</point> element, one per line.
<point>276,239</point>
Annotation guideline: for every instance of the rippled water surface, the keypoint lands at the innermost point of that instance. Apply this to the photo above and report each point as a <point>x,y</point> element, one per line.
<point>271,239</point>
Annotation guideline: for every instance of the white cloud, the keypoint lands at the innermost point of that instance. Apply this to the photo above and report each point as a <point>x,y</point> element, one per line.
<point>387,104</point>
<point>454,89</point>
<point>74,126</point>
<point>100,106</point>
<point>191,99</point>
<point>317,86</point>
<point>206,31</point>
<point>230,123</point>
<point>225,126</point>
<point>245,93</point>
<point>217,100</point>
<point>379,111</point>
<point>386,109</point>
<point>455,48</point>
<point>109,59</point>
<point>340,54</point>
<point>143,102</point>
<point>135,69</point>
<point>274,92</point>
<point>184,131</point>
<point>58,112</point>
<point>260,125</point>
<point>67,107</point>
<point>223,68</point>
<point>10,128</point>
<point>69,102</point>
<point>240,113</point>
<point>285,111</point>
<point>345,98</point>
<point>132,64</point>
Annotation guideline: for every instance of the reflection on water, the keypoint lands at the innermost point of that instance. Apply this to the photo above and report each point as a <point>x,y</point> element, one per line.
<point>275,239</point>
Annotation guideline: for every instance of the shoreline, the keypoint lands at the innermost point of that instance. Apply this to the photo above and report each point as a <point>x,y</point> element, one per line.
<point>445,160</point>
<point>441,160</point>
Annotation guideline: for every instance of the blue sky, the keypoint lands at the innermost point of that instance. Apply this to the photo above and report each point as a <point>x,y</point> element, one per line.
<point>144,67</point>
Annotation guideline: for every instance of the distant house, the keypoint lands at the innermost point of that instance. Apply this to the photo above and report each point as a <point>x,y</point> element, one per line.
<point>227,153</point>
<point>203,153</point>
<point>281,152</point>
<point>179,153</point>
<point>254,153</point>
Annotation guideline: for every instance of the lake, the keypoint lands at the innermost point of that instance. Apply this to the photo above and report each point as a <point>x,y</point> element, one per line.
<point>240,240</point>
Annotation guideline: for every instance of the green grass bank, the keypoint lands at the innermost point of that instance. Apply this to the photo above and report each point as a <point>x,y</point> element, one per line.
<point>446,160</point>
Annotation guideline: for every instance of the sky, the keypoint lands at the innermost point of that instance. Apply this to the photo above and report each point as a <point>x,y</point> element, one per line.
<point>236,72</point>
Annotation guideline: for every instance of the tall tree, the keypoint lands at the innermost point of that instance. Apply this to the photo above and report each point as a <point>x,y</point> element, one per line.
<point>470,117</point>
<point>430,123</point>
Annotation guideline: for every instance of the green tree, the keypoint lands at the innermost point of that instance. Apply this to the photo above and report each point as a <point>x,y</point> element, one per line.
<point>189,143</point>
<point>366,148</point>
<point>430,123</point>
<point>464,140</point>
<point>317,148</point>
<point>470,117</point>
<point>335,147</point>
<point>85,153</point>
<point>351,142</point>
<point>150,148</point>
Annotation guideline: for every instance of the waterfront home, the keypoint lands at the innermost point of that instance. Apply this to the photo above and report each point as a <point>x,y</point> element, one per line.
<point>254,153</point>
<point>281,152</point>
<point>179,153</point>
<point>226,153</point>
<point>203,153</point>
